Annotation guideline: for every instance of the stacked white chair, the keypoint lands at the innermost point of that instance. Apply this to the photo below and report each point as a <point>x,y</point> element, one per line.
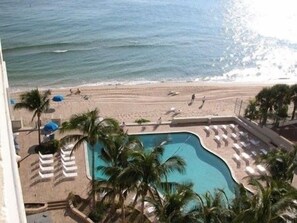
<point>46,165</point>
<point>68,161</point>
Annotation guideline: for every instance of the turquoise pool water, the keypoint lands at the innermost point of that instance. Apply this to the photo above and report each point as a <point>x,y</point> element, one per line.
<point>204,169</point>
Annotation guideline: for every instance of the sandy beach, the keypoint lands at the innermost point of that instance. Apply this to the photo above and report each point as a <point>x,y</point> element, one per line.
<point>128,103</point>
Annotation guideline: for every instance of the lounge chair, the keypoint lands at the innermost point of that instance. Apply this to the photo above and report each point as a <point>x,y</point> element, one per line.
<point>68,147</point>
<point>66,153</point>
<point>250,170</point>
<point>236,147</point>
<point>245,145</point>
<point>206,129</point>
<point>46,175</point>
<point>68,163</point>
<point>215,129</point>
<point>232,127</point>
<point>261,168</point>
<point>264,151</point>
<point>69,175</point>
<point>225,137</point>
<point>67,158</point>
<point>46,162</point>
<point>234,136</point>
<point>69,168</point>
<point>246,157</point>
<point>237,158</point>
<point>44,169</point>
<point>45,156</point>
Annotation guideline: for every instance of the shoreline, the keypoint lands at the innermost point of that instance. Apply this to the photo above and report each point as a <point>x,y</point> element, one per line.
<point>153,84</point>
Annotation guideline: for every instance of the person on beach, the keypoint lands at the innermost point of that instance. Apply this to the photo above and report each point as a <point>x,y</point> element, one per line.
<point>193,98</point>
<point>71,92</point>
<point>203,99</point>
<point>77,91</point>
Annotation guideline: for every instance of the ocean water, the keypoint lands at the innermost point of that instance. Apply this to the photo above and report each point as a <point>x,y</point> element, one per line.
<point>85,42</point>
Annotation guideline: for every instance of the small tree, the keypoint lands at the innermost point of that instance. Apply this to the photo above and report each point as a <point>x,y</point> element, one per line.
<point>36,102</point>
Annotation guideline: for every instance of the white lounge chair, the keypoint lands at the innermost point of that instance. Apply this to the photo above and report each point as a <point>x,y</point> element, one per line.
<point>68,147</point>
<point>206,129</point>
<point>66,153</point>
<point>261,168</point>
<point>67,158</point>
<point>68,163</point>
<point>250,170</point>
<point>224,128</point>
<point>232,127</point>
<point>69,175</point>
<point>236,147</point>
<point>46,162</point>
<point>45,156</point>
<point>215,128</point>
<point>69,168</point>
<point>264,151</point>
<point>237,158</point>
<point>255,142</point>
<point>46,175</point>
<point>245,145</point>
<point>234,136</point>
<point>245,156</point>
<point>44,169</point>
<point>225,137</point>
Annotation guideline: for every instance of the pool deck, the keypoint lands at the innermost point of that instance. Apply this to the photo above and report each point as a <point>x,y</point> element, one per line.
<point>57,188</point>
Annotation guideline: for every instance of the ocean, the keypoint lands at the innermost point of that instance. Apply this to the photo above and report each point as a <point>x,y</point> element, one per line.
<point>86,42</point>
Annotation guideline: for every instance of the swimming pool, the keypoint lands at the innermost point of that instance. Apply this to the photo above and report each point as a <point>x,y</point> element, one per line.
<point>204,169</point>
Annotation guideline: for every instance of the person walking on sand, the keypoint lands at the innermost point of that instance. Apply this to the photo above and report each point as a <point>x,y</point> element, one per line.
<point>193,98</point>
<point>203,99</point>
<point>77,91</point>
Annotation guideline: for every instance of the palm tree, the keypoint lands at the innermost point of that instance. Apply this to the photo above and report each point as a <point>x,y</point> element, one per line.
<point>281,101</point>
<point>213,208</point>
<point>36,102</point>
<point>281,163</point>
<point>270,203</point>
<point>115,155</point>
<point>177,203</point>
<point>265,100</point>
<point>293,95</point>
<point>91,130</point>
<point>147,169</point>
<point>251,110</point>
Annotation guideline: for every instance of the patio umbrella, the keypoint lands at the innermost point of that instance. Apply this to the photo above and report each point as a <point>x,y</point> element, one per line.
<point>50,126</point>
<point>58,98</point>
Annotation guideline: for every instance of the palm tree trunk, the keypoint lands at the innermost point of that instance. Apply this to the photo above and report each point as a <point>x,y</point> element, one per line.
<point>293,113</point>
<point>93,177</point>
<point>38,127</point>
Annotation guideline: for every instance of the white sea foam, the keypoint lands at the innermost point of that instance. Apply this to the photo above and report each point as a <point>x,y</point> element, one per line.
<point>60,51</point>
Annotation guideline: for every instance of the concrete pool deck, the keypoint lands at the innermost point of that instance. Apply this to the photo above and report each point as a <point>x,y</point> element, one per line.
<point>57,188</point>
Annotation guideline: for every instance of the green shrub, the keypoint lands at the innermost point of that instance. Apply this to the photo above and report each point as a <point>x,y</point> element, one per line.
<point>49,147</point>
<point>141,120</point>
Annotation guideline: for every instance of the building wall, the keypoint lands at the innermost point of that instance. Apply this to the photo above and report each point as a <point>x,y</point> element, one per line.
<point>11,197</point>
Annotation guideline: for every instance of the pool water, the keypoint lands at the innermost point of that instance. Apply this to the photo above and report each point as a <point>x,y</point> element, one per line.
<point>204,169</point>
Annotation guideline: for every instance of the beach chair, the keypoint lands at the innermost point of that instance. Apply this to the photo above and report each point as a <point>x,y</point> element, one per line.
<point>217,139</point>
<point>66,153</point>
<point>206,129</point>
<point>236,147</point>
<point>46,175</point>
<point>232,127</point>
<point>67,158</point>
<point>215,129</point>
<point>69,175</point>
<point>225,138</point>
<point>264,151</point>
<point>224,128</point>
<point>69,168</point>
<point>249,170</point>
<point>68,163</point>
<point>246,157</point>
<point>261,169</point>
<point>45,162</point>
<point>44,169</point>
<point>45,156</point>
<point>234,137</point>
<point>237,158</point>
<point>68,147</point>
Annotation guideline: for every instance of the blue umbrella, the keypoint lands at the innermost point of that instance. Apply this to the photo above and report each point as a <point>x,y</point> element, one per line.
<point>50,126</point>
<point>58,98</point>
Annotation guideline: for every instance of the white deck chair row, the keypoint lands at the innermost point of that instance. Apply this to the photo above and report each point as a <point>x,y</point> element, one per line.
<point>68,162</point>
